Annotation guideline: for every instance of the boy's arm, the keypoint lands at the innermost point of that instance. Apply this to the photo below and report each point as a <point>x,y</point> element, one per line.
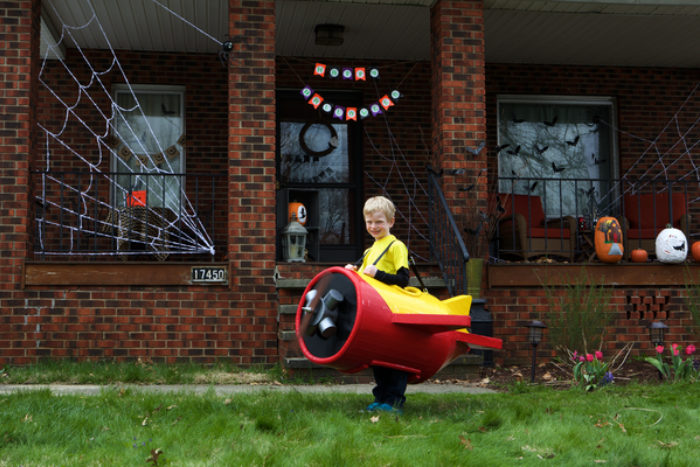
<point>400,278</point>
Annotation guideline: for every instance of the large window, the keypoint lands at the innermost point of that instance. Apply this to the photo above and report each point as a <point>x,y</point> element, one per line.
<point>561,149</point>
<point>150,153</point>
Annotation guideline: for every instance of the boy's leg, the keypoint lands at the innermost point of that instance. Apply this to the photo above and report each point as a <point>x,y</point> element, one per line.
<point>395,387</point>
<point>382,378</point>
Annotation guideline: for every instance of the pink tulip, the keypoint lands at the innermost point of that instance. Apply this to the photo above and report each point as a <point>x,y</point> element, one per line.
<point>674,346</point>
<point>690,350</point>
<point>589,357</point>
<point>581,359</point>
<point>676,352</point>
<point>598,355</point>
<point>575,357</point>
<point>659,349</point>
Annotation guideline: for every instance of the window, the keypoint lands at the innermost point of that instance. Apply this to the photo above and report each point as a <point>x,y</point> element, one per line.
<point>149,135</point>
<point>561,149</point>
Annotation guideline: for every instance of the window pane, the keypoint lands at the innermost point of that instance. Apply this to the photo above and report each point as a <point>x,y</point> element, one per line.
<point>335,208</point>
<point>560,152</point>
<point>316,153</point>
<point>150,136</point>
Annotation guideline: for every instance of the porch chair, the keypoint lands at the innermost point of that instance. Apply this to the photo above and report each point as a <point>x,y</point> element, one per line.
<point>647,214</point>
<point>525,232</point>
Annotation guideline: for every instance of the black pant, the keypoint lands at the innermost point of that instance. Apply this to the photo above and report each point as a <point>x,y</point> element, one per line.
<point>391,386</point>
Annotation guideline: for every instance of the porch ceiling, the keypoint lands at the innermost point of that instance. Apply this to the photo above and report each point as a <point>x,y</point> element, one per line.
<point>594,32</point>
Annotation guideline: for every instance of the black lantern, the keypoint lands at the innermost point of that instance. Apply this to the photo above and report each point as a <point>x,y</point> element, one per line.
<point>535,336</point>
<point>656,333</point>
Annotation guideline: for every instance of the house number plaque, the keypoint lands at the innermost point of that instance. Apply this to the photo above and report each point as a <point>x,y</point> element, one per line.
<point>209,274</point>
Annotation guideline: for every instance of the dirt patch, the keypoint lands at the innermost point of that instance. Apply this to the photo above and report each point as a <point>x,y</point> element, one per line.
<point>553,375</point>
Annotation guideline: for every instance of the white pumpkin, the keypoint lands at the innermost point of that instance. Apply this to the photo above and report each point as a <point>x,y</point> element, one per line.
<point>671,246</point>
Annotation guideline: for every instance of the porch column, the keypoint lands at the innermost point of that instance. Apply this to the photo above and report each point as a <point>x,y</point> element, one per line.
<point>458,101</point>
<point>251,178</point>
<point>19,65</point>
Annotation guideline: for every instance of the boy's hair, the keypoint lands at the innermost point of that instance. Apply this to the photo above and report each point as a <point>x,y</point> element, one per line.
<point>380,203</point>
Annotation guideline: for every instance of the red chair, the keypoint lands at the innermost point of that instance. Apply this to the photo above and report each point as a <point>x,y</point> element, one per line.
<point>647,214</point>
<point>525,232</point>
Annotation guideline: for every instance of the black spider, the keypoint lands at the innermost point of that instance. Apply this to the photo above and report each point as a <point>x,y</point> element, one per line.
<point>226,48</point>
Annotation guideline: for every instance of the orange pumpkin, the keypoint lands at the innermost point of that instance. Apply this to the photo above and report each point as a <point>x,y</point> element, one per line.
<point>639,255</point>
<point>608,240</point>
<point>297,212</point>
<point>695,251</point>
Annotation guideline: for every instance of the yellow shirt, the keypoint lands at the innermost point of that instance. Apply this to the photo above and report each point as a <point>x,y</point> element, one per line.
<point>394,259</point>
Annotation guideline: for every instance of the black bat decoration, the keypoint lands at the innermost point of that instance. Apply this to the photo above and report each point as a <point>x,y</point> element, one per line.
<point>573,142</point>
<point>680,247</point>
<point>477,150</point>
<point>467,188</point>
<point>557,169</point>
<point>501,147</point>
<point>552,122</point>
<point>514,152</point>
<point>532,187</point>
<point>454,172</point>
<point>540,150</point>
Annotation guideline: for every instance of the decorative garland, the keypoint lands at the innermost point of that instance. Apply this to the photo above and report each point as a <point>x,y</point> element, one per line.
<point>356,73</point>
<point>350,113</point>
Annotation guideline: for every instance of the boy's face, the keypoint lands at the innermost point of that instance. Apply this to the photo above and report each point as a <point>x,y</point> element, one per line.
<point>377,224</point>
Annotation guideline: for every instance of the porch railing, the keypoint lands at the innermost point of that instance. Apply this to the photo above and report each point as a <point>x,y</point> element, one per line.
<point>91,216</point>
<point>571,208</point>
<point>446,242</point>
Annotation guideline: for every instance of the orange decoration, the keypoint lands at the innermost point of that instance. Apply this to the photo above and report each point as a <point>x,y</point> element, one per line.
<point>695,251</point>
<point>608,240</point>
<point>639,255</point>
<point>297,212</point>
<point>136,198</point>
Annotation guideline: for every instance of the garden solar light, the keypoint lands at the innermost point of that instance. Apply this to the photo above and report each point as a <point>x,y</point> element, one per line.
<point>656,333</point>
<point>535,335</point>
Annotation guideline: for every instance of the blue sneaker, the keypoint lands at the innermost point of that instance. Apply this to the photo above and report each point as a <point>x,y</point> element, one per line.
<point>372,407</point>
<point>388,408</point>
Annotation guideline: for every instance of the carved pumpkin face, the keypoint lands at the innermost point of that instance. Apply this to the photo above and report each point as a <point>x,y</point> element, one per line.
<point>671,246</point>
<point>297,212</point>
<point>608,240</point>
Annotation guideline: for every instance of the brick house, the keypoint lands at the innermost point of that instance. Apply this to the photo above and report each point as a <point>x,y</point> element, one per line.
<point>89,275</point>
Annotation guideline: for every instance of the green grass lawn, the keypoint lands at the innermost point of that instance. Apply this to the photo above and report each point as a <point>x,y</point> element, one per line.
<point>633,425</point>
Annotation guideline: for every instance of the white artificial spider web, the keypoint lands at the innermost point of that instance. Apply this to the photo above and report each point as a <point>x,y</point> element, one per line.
<point>79,196</point>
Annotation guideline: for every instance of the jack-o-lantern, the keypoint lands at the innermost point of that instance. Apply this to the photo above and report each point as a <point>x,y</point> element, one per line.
<point>639,255</point>
<point>671,245</point>
<point>608,240</point>
<point>297,212</point>
<point>695,251</point>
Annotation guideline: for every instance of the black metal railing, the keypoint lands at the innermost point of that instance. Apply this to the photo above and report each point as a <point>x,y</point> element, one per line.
<point>446,242</point>
<point>553,217</point>
<point>90,216</point>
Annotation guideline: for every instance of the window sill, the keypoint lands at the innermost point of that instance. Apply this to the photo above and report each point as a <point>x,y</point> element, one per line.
<point>116,274</point>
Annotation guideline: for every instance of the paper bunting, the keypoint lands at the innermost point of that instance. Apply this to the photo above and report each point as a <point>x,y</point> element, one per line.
<point>356,73</point>
<point>350,113</point>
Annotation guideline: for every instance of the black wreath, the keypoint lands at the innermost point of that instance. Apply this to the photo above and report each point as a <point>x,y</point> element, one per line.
<point>328,150</point>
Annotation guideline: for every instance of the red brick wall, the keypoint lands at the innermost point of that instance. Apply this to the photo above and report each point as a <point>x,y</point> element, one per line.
<point>18,42</point>
<point>458,93</point>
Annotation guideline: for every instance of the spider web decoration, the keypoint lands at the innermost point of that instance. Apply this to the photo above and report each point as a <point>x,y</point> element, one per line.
<point>670,159</point>
<point>149,207</point>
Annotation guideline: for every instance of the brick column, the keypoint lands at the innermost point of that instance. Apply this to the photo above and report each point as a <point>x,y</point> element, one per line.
<point>251,171</point>
<point>458,100</point>
<point>19,42</point>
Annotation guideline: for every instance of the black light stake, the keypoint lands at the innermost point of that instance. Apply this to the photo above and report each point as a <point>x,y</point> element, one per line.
<point>656,333</point>
<point>536,328</point>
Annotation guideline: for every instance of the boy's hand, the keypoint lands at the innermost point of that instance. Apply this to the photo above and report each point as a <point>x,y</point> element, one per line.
<point>370,270</point>
<point>351,267</point>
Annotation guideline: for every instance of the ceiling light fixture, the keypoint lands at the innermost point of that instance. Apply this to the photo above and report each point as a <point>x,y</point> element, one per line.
<point>329,34</point>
